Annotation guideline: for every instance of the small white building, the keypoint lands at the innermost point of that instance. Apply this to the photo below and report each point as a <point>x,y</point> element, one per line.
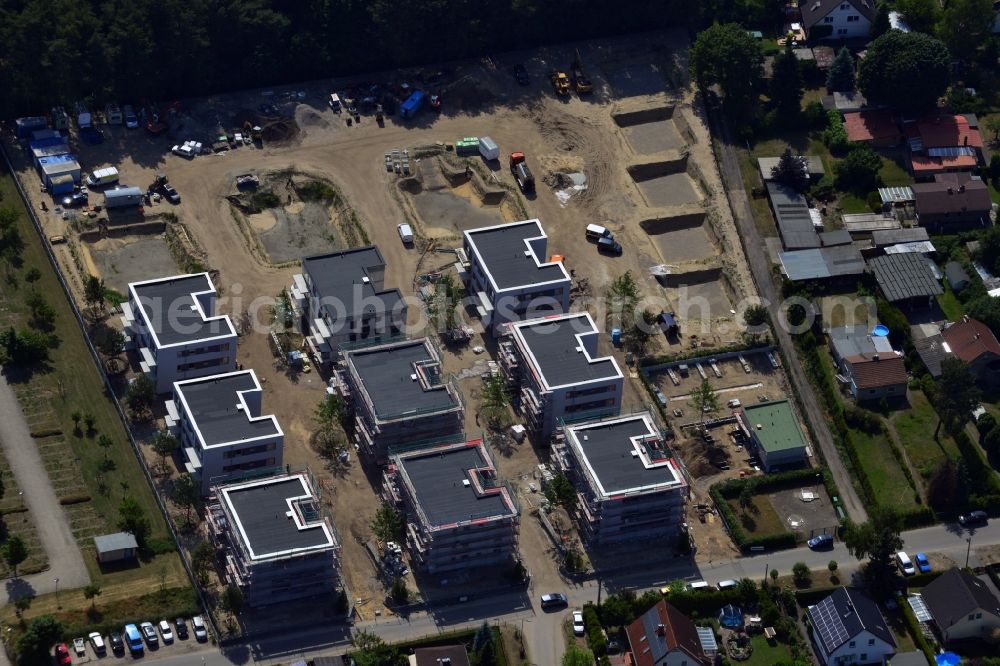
<point>507,270</point>
<point>222,432</point>
<point>837,19</point>
<point>171,323</point>
<point>848,628</point>
<point>555,367</point>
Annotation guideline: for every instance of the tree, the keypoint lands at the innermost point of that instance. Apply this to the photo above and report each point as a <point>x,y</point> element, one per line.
<point>801,574</point>
<point>386,524</point>
<point>956,396</point>
<point>105,443</point>
<point>878,540</point>
<point>907,70</point>
<point>756,318</point>
<point>774,575</point>
<point>858,172</point>
<point>728,56</point>
<point>34,644</point>
<point>32,275</point>
<point>616,611</point>
<point>91,592</point>
<point>920,15</point>
<point>993,127</point>
<point>746,497</point>
<point>791,170</point>
<point>140,396</point>
<point>76,416</point>
<point>577,656</point>
<point>23,348</point>
<point>560,491</point>
<point>15,551</point>
<point>482,636</point>
<point>90,421</point>
<point>131,519</point>
<point>966,26</point>
<point>186,493</point>
<point>881,24</point>
<point>942,485</point>
<point>202,559</point>
<point>494,401</point>
<point>832,566</point>
<point>371,650</point>
<point>231,599</point>
<point>400,593</point>
<point>704,399</point>
<point>165,445</point>
<point>840,76</point>
<point>786,85</point>
<point>113,343</point>
<point>93,291</point>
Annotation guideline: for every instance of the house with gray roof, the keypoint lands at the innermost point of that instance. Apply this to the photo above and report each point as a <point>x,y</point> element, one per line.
<point>460,513</point>
<point>278,543</point>
<point>507,270</point>
<point>340,298</point>
<point>837,19</point>
<point>963,606</point>
<point>171,323</point>
<point>905,278</point>
<point>630,483</point>
<point>557,372</point>
<point>399,396</point>
<point>848,628</point>
<point>223,434</point>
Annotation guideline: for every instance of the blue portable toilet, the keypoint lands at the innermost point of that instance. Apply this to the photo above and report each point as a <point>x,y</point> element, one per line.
<point>616,336</point>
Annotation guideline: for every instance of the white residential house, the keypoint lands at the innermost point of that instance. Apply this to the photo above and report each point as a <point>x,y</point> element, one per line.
<point>837,19</point>
<point>508,272</point>
<point>848,628</point>
<point>171,323</point>
<point>963,606</point>
<point>223,435</point>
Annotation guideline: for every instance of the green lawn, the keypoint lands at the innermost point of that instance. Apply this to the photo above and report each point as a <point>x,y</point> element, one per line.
<point>915,427</point>
<point>994,194</point>
<point>767,653</point>
<point>849,202</point>
<point>883,472</point>
<point>950,305</point>
<point>761,519</point>
<point>761,210</point>
<point>70,382</point>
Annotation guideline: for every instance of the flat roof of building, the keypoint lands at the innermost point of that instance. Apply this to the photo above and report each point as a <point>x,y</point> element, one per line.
<point>277,517</point>
<point>791,212</point>
<point>389,376</point>
<point>447,488</point>
<point>509,260</point>
<point>219,410</point>
<point>779,430</point>
<point>349,278</point>
<point>825,262</point>
<point>903,276</point>
<point>174,315</point>
<point>624,455</point>
<point>557,354</point>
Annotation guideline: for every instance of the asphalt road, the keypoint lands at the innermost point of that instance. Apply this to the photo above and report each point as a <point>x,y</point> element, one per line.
<point>542,629</point>
<point>760,269</point>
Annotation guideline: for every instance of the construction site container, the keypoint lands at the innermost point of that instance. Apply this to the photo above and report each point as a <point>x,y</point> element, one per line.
<point>467,147</point>
<point>23,127</point>
<point>46,134</point>
<point>488,148</point>
<point>39,152</point>
<point>58,165</point>
<point>61,184</point>
<point>123,196</point>
<point>409,108</point>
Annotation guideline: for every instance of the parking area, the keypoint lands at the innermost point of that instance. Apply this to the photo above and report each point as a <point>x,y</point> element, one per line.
<point>172,638</point>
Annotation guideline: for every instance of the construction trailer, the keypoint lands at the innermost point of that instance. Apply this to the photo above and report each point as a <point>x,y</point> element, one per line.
<point>412,105</point>
<point>121,197</point>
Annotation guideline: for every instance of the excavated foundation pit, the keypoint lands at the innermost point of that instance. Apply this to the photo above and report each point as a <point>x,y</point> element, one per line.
<point>700,294</point>
<point>650,131</point>
<point>684,237</point>
<point>665,182</point>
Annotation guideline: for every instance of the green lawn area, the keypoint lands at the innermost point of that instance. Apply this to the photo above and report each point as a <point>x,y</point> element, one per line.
<point>71,381</point>
<point>767,653</point>
<point>883,472</point>
<point>950,305</point>
<point>761,519</point>
<point>994,194</point>
<point>915,427</point>
<point>852,203</point>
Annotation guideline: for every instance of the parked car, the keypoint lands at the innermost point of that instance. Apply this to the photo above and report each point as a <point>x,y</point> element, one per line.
<point>166,632</point>
<point>905,564</point>
<point>62,655</point>
<point>198,625</point>
<point>973,518</point>
<point>554,600</point>
<point>923,564</point>
<point>149,633</point>
<point>820,542</point>
<point>405,233</point>
<point>75,199</point>
<point>171,194</point>
<point>79,646</point>
<point>609,246</point>
<point>116,642</point>
<point>97,643</point>
<point>131,120</point>
<point>57,239</point>
<point>134,639</point>
<point>578,628</point>
<point>182,628</point>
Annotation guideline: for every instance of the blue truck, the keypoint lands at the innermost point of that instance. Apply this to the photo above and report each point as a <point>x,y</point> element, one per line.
<point>409,108</point>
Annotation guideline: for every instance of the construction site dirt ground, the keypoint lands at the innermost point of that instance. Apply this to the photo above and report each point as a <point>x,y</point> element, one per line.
<point>558,135</point>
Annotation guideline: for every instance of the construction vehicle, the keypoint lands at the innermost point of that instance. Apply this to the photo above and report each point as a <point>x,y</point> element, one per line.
<point>164,189</point>
<point>522,174</point>
<point>580,80</point>
<point>154,124</point>
<point>253,131</point>
<point>560,81</point>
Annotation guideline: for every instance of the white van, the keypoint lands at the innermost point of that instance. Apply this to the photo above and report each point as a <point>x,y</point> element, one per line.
<point>905,564</point>
<point>726,584</point>
<point>335,102</point>
<point>699,585</point>
<point>105,176</point>
<point>597,232</point>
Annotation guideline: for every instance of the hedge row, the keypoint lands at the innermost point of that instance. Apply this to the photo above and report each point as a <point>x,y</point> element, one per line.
<point>739,535</point>
<point>774,482</point>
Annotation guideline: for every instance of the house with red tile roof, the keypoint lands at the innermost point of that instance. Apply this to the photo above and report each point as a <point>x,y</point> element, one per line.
<point>663,636</point>
<point>877,127</point>
<point>874,376</point>
<point>973,342</point>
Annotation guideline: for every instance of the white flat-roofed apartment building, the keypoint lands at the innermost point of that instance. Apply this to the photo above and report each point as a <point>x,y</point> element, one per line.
<point>278,545</point>
<point>507,270</point>
<point>222,432</point>
<point>554,364</point>
<point>630,486</point>
<point>460,513</point>
<point>341,298</point>
<point>171,323</point>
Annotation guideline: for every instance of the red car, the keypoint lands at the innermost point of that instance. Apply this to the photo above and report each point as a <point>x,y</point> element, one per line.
<point>62,655</point>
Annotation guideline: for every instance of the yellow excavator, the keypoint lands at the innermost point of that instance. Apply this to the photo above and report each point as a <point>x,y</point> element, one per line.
<point>560,81</point>
<point>583,84</point>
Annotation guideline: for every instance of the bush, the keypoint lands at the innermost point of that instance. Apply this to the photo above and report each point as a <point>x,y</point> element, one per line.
<point>801,574</point>
<point>594,631</point>
<point>874,200</point>
<point>824,190</point>
<point>263,200</point>
<point>159,546</point>
<point>814,115</point>
<point>835,136</point>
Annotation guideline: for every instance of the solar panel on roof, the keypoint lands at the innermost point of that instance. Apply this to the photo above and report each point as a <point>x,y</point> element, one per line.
<point>829,624</point>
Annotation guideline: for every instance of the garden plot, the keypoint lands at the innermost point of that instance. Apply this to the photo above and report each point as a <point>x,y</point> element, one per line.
<point>120,261</point>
